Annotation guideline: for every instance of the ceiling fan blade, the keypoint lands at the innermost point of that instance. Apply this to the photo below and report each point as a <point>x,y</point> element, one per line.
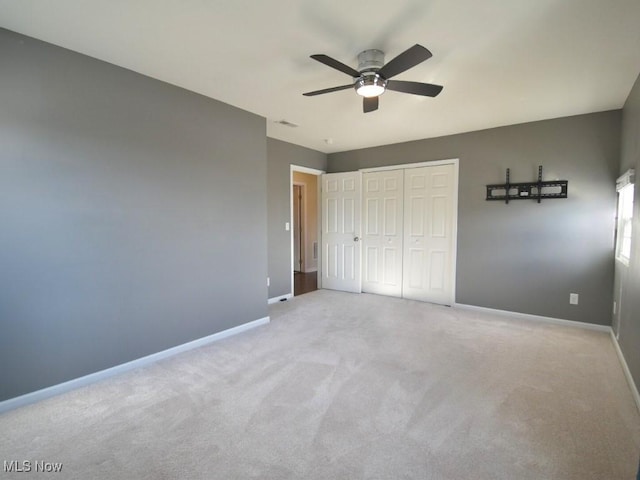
<point>407,59</point>
<point>333,63</point>
<point>369,104</point>
<point>416,88</point>
<point>328,90</point>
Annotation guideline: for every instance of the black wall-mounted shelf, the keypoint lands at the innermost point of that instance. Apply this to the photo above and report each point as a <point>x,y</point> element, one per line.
<point>528,191</point>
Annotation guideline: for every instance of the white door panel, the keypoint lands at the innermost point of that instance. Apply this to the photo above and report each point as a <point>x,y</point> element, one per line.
<point>341,231</point>
<point>429,234</point>
<point>382,232</point>
<point>408,230</point>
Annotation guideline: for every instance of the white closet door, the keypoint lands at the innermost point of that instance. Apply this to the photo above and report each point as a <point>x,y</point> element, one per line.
<point>429,234</point>
<point>341,231</point>
<point>382,219</point>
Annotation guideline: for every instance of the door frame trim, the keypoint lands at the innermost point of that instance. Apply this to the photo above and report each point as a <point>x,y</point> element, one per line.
<point>404,166</point>
<point>303,223</point>
<point>456,173</point>
<point>317,173</point>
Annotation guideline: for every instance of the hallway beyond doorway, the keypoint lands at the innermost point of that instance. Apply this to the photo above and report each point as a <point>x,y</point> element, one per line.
<point>304,282</point>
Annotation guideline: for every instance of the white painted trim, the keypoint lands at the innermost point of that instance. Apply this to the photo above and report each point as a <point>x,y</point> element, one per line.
<point>625,179</point>
<point>318,173</point>
<point>303,213</point>
<point>536,318</point>
<point>627,372</point>
<point>311,270</point>
<point>404,166</point>
<point>312,171</point>
<point>60,388</point>
<point>454,253</point>
<point>288,296</point>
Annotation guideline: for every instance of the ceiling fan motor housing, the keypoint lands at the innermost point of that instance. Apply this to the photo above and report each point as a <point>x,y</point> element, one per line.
<point>370,84</point>
<point>370,60</point>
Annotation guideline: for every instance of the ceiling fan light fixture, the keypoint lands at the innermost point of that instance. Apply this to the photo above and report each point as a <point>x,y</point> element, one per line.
<point>373,76</point>
<point>370,85</point>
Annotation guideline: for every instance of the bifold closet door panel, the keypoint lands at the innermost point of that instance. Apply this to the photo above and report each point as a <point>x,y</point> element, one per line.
<point>382,229</point>
<point>428,234</point>
<point>341,209</point>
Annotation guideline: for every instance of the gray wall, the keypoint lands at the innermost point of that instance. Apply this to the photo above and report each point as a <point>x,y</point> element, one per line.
<point>281,155</point>
<point>132,215</point>
<point>527,257</point>
<point>629,328</point>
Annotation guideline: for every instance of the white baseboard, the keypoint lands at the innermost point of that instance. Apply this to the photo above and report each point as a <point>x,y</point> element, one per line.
<point>288,296</point>
<point>54,390</point>
<point>536,318</point>
<point>311,270</point>
<point>627,372</point>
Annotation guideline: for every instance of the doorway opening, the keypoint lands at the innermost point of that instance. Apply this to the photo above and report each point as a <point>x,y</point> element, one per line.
<point>305,231</point>
<point>299,230</point>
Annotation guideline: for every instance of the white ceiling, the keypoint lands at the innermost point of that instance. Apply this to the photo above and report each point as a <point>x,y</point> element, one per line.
<point>501,61</point>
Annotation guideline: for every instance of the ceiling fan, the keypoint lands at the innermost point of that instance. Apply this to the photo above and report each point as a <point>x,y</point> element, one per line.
<point>373,76</point>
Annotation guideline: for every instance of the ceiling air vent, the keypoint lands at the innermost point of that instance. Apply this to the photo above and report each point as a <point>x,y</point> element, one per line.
<point>286,123</point>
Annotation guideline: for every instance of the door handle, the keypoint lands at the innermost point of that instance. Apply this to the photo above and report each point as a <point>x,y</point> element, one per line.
<point>355,239</point>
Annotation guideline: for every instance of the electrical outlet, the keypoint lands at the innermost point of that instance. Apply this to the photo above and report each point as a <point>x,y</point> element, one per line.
<point>573,298</point>
<point>615,307</point>
<point>268,282</point>
<point>286,226</point>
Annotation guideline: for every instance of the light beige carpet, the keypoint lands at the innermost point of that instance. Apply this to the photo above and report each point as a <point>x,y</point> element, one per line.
<point>343,386</point>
